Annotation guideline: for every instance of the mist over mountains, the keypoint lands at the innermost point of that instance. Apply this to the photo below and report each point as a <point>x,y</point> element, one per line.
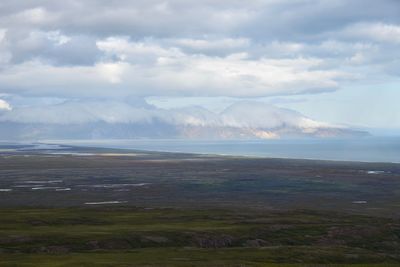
<point>138,119</point>
<point>87,68</point>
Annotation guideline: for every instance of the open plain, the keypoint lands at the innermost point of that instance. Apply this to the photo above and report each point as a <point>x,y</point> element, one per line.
<point>73,206</point>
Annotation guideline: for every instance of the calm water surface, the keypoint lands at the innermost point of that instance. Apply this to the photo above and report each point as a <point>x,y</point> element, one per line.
<point>372,149</point>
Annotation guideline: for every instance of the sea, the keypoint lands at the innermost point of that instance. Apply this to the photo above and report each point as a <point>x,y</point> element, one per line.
<point>368,149</point>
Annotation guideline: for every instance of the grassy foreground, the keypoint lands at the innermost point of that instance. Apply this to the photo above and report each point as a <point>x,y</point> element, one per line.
<point>127,236</point>
<point>167,257</point>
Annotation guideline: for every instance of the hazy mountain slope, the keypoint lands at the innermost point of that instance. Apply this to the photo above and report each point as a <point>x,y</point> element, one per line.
<point>242,120</point>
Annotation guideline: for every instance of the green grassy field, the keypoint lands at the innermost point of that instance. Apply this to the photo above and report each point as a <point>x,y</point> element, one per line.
<point>123,236</point>
<point>168,257</point>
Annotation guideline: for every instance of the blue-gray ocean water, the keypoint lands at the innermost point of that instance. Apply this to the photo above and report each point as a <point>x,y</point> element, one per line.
<point>371,149</point>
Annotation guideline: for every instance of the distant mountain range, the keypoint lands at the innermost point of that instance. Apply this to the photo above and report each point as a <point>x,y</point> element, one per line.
<point>243,120</point>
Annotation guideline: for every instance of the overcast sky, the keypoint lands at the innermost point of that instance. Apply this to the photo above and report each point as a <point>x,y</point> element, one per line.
<point>336,61</point>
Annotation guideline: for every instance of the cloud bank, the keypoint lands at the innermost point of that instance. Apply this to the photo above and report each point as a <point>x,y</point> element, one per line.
<point>90,56</point>
<point>244,114</point>
<point>193,48</point>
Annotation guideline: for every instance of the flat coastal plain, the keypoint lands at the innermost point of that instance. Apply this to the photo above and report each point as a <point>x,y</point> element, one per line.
<point>75,206</point>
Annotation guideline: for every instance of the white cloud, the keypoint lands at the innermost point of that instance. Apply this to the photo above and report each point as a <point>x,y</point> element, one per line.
<point>260,115</point>
<point>58,38</point>
<point>5,55</point>
<point>112,72</point>
<point>107,51</point>
<point>213,44</point>
<point>2,34</point>
<point>177,54</point>
<point>146,68</point>
<point>194,115</point>
<point>32,16</point>
<point>4,105</point>
<point>374,31</point>
<point>141,52</point>
<point>37,78</point>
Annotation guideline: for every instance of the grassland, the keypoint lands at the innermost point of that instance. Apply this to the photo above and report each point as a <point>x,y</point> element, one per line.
<point>105,208</point>
<point>126,236</point>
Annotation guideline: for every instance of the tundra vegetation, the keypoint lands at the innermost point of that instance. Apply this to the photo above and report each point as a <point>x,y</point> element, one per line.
<point>103,207</point>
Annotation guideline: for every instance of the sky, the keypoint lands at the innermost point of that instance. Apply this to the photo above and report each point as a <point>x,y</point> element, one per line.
<point>336,62</point>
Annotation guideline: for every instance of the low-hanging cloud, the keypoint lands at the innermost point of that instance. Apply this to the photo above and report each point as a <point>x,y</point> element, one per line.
<point>244,114</point>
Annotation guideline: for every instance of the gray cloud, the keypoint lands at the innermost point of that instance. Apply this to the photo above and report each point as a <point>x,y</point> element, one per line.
<point>96,53</point>
<point>258,19</point>
<point>145,69</point>
<point>51,47</point>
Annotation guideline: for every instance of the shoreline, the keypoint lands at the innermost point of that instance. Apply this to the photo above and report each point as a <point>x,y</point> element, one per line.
<point>197,153</point>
